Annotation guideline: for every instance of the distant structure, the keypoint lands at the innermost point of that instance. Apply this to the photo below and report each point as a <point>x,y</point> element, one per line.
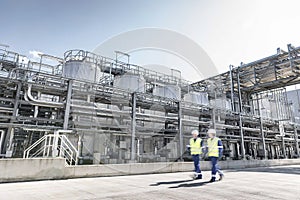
<point>117,112</point>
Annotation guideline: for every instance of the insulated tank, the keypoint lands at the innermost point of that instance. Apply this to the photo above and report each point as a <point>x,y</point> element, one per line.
<point>132,83</point>
<point>197,98</point>
<point>82,70</point>
<point>222,103</point>
<point>169,91</point>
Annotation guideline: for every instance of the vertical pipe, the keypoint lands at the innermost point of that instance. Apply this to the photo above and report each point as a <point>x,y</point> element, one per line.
<point>240,115</point>
<point>133,125</point>
<point>1,139</point>
<point>296,140</point>
<point>231,87</point>
<point>289,46</point>
<point>180,130</point>
<point>214,110</point>
<point>283,147</point>
<point>261,128</point>
<point>68,105</point>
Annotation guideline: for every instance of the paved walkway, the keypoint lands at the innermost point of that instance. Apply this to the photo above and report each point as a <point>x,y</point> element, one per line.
<point>257,183</point>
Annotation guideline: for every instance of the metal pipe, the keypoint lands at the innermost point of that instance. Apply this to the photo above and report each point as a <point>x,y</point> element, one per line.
<point>2,132</point>
<point>133,126</point>
<point>296,141</point>
<point>240,115</point>
<point>68,105</point>
<point>231,87</point>
<point>180,131</point>
<point>261,128</point>
<point>45,103</point>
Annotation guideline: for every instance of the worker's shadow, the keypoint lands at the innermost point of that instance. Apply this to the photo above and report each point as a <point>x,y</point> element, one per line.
<point>184,183</point>
<point>194,184</point>
<point>171,182</point>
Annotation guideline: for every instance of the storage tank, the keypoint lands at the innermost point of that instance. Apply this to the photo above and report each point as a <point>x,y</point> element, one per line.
<point>197,98</point>
<point>221,103</point>
<point>169,91</point>
<point>132,83</point>
<point>82,70</point>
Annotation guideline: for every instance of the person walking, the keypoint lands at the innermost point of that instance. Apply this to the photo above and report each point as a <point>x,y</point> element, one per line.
<point>196,145</point>
<point>214,152</point>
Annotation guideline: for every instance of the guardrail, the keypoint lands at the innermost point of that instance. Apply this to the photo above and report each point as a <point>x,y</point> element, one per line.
<point>53,145</point>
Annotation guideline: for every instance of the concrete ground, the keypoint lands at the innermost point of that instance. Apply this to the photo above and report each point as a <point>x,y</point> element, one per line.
<point>256,183</point>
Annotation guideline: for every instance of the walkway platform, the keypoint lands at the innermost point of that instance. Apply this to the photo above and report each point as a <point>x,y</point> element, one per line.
<point>282,182</point>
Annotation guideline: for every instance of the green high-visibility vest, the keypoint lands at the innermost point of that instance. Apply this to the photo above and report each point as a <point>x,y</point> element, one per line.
<point>213,148</point>
<point>195,146</point>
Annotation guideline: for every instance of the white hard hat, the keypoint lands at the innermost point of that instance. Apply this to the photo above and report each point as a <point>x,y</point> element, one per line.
<point>195,132</point>
<point>211,130</point>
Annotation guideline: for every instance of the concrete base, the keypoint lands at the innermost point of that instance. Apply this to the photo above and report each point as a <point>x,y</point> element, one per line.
<point>12,170</point>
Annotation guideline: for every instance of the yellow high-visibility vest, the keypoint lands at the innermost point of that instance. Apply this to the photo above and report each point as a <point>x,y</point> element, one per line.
<point>195,146</point>
<point>213,148</point>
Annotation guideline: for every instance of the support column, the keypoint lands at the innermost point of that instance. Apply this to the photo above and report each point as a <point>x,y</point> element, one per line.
<point>240,116</point>
<point>180,131</point>
<point>133,126</point>
<point>68,105</point>
<point>261,129</point>
<point>296,141</point>
<point>7,146</point>
<point>283,147</point>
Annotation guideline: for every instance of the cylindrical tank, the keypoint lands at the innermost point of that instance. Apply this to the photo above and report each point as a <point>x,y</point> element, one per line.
<point>132,83</point>
<point>196,97</point>
<point>82,70</point>
<point>169,91</point>
<point>221,103</point>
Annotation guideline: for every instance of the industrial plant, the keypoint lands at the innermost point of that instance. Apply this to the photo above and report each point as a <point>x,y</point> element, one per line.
<point>91,109</point>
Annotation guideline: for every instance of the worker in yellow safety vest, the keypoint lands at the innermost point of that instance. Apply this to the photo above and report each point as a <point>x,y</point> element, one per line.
<point>195,146</point>
<point>214,152</point>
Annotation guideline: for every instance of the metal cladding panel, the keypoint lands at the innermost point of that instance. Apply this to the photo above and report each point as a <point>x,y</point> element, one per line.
<point>132,83</point>
<point>197,97</point>
<point>82,71</point>
<point>169,91</point>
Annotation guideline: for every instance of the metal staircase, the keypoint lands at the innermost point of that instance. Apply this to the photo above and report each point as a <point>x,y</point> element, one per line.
<point>53,145</point>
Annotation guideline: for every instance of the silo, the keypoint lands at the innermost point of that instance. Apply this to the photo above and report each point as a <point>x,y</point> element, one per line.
<point>82,70</point>
<point>132,83</point>
<point>169,91</point>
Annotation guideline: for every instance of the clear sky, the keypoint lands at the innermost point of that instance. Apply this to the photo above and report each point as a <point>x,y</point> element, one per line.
<point>230,31</point>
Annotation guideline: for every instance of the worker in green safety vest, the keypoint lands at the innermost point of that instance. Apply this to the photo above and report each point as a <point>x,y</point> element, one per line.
<point>214,152</point>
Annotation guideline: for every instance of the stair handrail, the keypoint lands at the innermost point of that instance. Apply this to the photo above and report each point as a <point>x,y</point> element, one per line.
<point>26,151</point>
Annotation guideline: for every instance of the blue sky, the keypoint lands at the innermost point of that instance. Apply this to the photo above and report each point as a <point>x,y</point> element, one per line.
<point>229,31</point>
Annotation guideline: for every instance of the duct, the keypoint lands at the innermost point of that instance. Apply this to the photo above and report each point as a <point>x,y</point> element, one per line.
<point>40,102</point>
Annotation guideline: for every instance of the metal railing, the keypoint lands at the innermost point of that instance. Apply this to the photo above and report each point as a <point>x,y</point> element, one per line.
<point>103,62</point>
<point>53,145</point>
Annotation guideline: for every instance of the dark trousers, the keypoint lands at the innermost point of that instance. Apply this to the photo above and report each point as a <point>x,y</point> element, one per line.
<point>215,167</point>
<point>196,159</point>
